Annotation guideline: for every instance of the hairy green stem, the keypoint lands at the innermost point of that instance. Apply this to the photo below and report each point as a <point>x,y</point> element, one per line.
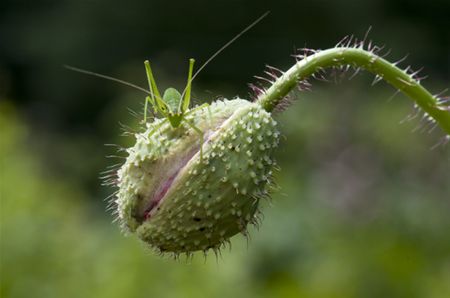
<point>359,58</point>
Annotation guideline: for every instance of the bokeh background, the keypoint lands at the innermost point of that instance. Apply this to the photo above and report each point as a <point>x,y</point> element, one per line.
<point>363,203</point>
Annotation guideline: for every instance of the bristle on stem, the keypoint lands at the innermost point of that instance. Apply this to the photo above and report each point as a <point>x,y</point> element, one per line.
<point>313,61</point>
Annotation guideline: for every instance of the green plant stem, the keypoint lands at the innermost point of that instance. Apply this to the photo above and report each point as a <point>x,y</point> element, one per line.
<point>359,58</point>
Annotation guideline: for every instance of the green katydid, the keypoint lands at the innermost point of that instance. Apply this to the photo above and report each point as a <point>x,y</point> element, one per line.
<point>173,106</point>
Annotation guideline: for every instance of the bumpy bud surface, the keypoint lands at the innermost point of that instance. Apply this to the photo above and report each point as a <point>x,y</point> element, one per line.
<point>179,200</point>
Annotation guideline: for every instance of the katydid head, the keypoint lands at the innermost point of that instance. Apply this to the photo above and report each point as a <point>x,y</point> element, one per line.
<point>172,105</point>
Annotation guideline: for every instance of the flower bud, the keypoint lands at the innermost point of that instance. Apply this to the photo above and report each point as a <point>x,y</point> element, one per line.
<point>181,195</point>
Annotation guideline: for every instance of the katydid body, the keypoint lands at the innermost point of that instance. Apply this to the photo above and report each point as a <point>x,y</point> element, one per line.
<point>173,105</point>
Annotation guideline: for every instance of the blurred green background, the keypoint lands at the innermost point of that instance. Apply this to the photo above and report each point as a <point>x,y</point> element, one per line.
<point>363,205</point>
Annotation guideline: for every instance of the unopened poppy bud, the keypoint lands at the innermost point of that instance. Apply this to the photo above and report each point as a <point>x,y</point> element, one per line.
<point>180,195</point>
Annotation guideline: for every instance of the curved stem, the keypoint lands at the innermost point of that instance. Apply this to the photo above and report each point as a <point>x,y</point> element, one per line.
<point>359,58</point>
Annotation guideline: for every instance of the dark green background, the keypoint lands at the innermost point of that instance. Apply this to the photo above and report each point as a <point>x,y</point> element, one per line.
<point>363,202</point>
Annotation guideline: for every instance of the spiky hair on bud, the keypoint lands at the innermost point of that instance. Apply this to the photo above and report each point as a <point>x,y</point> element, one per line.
<point>178,200</point>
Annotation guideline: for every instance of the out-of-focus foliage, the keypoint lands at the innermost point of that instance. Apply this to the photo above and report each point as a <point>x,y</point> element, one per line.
<point>362,206</point>
<point>345,224</point>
